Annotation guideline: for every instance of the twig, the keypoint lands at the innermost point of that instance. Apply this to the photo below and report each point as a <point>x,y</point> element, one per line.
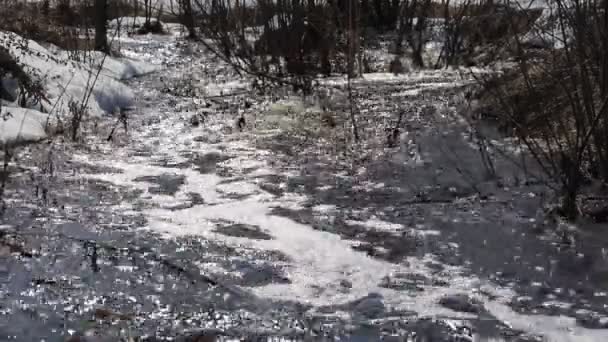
<point>144,252</point>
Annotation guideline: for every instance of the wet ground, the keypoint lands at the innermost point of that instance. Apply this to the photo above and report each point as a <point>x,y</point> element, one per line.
<point>179,226</point>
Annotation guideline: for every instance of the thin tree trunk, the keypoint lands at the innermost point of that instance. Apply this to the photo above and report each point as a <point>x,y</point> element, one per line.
<point>188,18</point>
<point>101,17</point>
<point>350,56</point>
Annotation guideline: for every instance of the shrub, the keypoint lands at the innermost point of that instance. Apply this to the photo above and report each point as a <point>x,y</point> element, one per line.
<point>556,101</point>
<point>153,26</point>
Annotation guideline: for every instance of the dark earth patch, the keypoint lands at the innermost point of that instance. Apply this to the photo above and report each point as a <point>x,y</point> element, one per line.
<point>196,198</point>
<point>407,282</point>
<point>207,163</point>
<point>166,184</point>
<point>271,184</point>
<point>168,162</point>
<point>234,196</point>
<point>92,168</point>
<point>462,303</point>
<point>259,274</point>
<point>384,245</point>
<point>242,230</point>
<point>273,189</point>
<point>231,180</point>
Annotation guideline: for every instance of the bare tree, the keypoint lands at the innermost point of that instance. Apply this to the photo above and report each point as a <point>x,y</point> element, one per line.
<point>148,7</point>
<point>101,18</point>
<point>353,45</point>
<point>412,27</point>
<point>187,17</point>
<point>453,18</point>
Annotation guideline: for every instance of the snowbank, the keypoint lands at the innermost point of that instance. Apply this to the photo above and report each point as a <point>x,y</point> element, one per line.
<point>20,125</point>
<point>117,68</point>
<point>121,69</point>
<point>64,81</point>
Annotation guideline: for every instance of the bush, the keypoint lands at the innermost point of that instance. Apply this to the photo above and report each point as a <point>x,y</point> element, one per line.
<point>556,101</point>
<point>396,66</point>
<point>153,26</point>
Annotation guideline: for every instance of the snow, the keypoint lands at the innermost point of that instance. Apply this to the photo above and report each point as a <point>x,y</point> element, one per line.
<point>421,76</point>
<point>20,125</point>
<point>223,88</point>
<point>121,68</point>
<point>552,328</point>
<point>318,262</point>
<point>65,81</point>
<point>377,224</point>
<point>319,259</point>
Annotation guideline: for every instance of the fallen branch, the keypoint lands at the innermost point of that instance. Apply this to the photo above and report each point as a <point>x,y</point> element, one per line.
<point>144,252</point>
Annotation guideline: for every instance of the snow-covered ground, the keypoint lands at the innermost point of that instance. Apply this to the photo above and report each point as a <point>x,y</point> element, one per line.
<point>296,242</point>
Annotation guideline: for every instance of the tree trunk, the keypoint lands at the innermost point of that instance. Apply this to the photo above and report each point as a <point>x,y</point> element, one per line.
<point>188,18</point>
<point>379,15</point>
<point>148,13</point>
<point>135,13</point>
<point>101,17</point>
<point>394,15</point>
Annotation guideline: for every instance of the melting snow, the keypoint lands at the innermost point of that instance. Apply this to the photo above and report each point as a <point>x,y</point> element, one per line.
<point>20,125</point>
<point>319,261</point>
<point>66,80</point>
<point>63,80</point>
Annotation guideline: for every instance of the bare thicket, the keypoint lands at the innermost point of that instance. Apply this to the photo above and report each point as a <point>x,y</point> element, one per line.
<point>413,27</point>
<point>280,40</point>
<point>183,10</point>
<point>555,98</point>
<point>301,39</point>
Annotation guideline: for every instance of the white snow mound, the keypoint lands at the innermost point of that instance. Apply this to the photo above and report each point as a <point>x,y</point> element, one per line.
<point>21,125</point>
<point>66,80</point>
